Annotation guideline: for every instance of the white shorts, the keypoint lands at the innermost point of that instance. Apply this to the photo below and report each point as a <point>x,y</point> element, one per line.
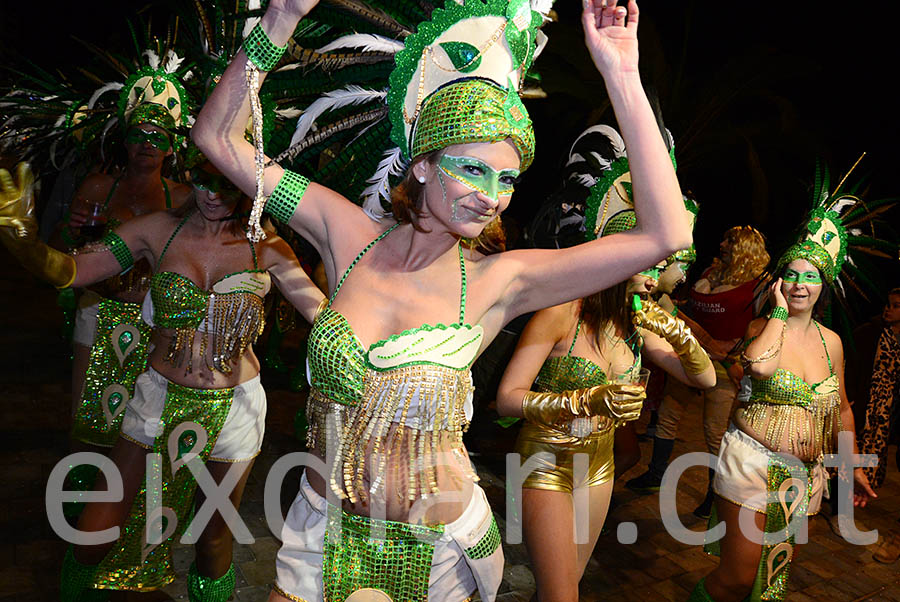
<point>86,318</point>
<point>454,574</point>
<point>742,471</point>
<point>242,433</point>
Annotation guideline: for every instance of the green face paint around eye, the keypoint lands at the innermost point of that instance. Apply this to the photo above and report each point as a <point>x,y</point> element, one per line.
<point>651,273</point>
<point>479,176</point>
<point>216,183</point>
<point>156,139</point>
<point>793,276</point>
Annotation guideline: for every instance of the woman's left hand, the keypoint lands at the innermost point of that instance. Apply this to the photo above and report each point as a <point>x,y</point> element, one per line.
<point>612,43</point>
<point>862,491</point>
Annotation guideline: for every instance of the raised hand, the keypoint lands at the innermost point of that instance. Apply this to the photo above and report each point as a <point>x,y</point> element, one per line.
<point>776,296</point>
<point>610,34</point>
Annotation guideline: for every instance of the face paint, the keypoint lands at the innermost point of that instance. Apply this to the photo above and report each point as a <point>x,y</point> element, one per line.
<point>156,139</point>
<point>216,183</point>
<point>479,176</point>
<point>793,276</point>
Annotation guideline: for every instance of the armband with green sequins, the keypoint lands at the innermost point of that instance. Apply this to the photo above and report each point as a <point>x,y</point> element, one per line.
<point>260,49</point>
<point>119,249</point>
<point>778,313</point>
<point>287,194</point>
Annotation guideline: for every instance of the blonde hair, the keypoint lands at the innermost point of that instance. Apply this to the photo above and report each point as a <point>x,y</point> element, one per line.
<point>749,257</point>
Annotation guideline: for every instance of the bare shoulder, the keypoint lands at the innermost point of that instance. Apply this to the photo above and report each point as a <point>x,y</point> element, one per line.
<point>558,318</point>
<point>273,250</point>
<point>95,187</point>
<point>832,340</point>
<point>755,327</point>
<point>178,192</point>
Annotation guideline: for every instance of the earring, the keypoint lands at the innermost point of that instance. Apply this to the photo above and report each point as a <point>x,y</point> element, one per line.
<point>421,179</point>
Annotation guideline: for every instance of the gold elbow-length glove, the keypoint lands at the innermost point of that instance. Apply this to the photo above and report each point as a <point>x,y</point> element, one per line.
<point>621,402</point>
<point>650,316</point>
<point>18,230</point>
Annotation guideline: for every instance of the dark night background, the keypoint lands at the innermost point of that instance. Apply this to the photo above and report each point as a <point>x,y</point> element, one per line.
<point>753,93</point>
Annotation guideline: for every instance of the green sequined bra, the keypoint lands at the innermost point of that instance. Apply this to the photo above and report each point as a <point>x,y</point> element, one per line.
<point>394,411</point>
<point>229,318</point>
<point>795,416</point>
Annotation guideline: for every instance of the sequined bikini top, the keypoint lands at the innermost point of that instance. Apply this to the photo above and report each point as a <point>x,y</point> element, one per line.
<point>786,388</point>
<point>230,316</point>
<point>396,410</point>
<point>338,362</point>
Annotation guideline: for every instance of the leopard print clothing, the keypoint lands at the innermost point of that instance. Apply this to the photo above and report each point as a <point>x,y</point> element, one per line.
<point>882,395</point>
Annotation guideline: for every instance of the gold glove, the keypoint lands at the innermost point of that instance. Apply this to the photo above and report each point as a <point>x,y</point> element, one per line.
<point>18,230</point>
<point>650,316</point>
<point>620,402</point>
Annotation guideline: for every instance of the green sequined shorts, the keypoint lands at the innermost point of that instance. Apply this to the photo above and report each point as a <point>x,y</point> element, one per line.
<point>328,554</point>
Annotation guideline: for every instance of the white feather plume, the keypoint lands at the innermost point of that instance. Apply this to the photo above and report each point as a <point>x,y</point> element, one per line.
<point>542,6</point>
<point>369,42</point>
<point>112,86</point>
<point>585,179</point>
<point>843,203</point>
<point>288,113</point>
<point>379,184</point>
<point>249,24</point>
<point>335,99</point>
<point>152,58</point>
<point>173,61</point>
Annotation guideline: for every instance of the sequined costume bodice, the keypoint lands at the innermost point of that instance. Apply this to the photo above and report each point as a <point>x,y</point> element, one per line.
<point>408,395</point>
<point>230,316</point>
<point>570,372</point>
<point>795,416</point>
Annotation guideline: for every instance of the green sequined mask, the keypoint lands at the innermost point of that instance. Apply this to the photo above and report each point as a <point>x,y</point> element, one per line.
<point>479,176</point>
<point>794,276</point>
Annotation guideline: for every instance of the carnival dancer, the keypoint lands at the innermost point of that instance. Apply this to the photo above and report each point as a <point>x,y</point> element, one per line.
<point>720,307</point>
<point>570,352</point>
<point>395,507</point>
<point>201,397</point>
<point>771,459</point>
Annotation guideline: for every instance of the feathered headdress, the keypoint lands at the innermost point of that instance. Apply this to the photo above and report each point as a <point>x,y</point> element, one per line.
<point>409,79</point>
<point>50,119</point>
<point>839,232</point>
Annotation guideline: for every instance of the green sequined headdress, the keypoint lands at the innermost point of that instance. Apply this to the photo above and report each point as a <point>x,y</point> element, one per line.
<point>411,78</point>
<point>840,225</point>
<point>59,118</point>
<point>609,208</point>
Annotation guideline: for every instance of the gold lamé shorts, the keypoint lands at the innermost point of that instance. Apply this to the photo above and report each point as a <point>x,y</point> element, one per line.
<point>560,475</point>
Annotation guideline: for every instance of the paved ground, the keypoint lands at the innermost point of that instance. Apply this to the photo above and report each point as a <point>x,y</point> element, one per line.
<point>33,437</point>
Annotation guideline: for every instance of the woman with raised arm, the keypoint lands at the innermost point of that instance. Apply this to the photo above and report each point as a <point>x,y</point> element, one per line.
<point>201,397</point>
<point>770,462</point>
<point>573,351</point>
<point>391,386</point>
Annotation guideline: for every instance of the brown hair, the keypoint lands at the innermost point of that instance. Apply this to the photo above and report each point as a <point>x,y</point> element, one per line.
<point>749,257</point>
<point>406,197</point>
<point>607,306</point>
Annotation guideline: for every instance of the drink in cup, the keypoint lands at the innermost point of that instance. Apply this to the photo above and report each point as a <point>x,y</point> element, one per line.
<point>95,224</point>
